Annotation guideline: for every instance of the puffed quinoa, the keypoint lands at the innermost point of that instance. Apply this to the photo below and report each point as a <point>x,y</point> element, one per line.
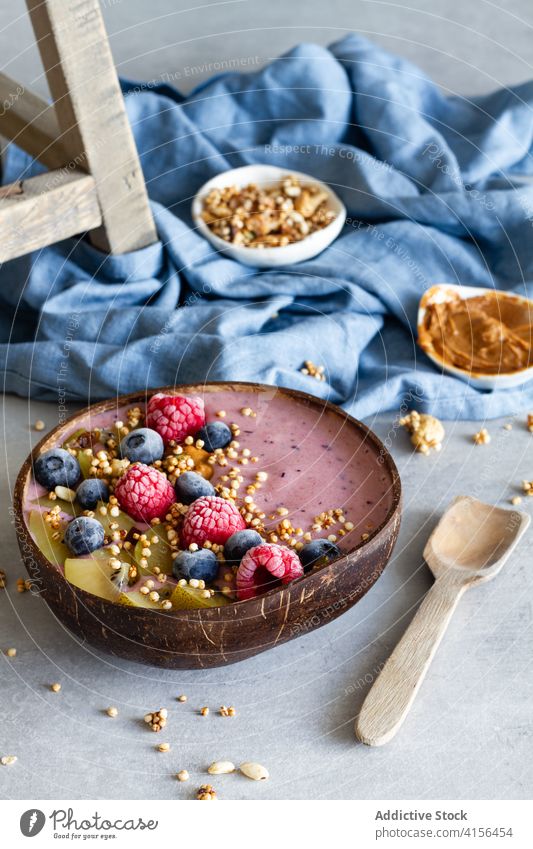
<point>55,688</point>
<point>163,747</point>
<point>183,775</point>
<point>11,652</point>
<point>39,425</point>
<point>182,698</point>
<point>112,711</point>
<point>8,760</point>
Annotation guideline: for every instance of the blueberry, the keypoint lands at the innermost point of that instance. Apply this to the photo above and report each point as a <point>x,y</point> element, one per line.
<point>239,543</point>
<point>190,486</point>
<point>143,445</point>
<point>56,468</point>
<point>318,553</point>
<point>90,492</point>
<point>84,535</point>
<point>215,435</point>
<point>201,564</point>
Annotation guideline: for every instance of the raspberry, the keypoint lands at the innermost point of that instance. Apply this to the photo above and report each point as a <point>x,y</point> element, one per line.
<point>144,493</point>
<point>265,565</point>
<point>211,519</point>
<point>175,416</point>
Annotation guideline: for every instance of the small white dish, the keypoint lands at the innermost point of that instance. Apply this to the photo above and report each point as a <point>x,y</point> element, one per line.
<point>262,175</point>
<point>443,292</point>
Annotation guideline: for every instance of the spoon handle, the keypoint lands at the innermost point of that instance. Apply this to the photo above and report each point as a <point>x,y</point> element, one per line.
<point>392,694</point>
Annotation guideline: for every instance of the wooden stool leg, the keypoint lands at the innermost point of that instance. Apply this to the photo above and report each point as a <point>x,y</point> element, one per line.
<point>92,117</point>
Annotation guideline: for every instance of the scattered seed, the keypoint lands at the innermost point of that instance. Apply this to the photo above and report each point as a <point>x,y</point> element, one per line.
<point>39,425</point>
<point>182,698</point>
<point>11,652</point>
<point>8,760</point>
<point>204,711</point>
<point>254,771</point>
<point>516,500</point>
<point>163,747</point>
<point>55,688</point>
<point>112,711</point>
<point>221,768</point>
<point>183,775</point>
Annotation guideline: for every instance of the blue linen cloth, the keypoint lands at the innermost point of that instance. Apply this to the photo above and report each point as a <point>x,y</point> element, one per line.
<point>429,183</point>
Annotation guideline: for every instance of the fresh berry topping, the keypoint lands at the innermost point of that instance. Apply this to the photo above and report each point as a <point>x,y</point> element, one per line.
<point>264,567</point>
<point>190,486</point>
<point>143,445</point>
<point>211,519</point>
<point>90,492</point>
<point>56,468</point>
<point>201,564</point>
<point>175,416</point>
<point>215,435</point>
<point>318,553</point>
<point>144,493</point>
<point>84,535</point>
<point>241,542</point>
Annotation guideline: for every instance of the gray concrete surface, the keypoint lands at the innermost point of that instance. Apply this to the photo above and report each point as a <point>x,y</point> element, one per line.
<point>470,732</point>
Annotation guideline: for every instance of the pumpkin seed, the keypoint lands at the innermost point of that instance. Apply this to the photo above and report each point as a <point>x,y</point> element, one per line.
<point>221,768</point>
<point>256,772</point>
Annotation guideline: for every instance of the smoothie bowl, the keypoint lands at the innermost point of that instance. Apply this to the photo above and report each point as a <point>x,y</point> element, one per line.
<point>199,525</point>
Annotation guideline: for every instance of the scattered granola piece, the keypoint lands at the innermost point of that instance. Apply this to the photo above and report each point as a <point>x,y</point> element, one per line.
<point>112,711</point>
<point>39,425</point>
<point>516,500</point>
<point>11,652</point>
<point>183,775</point>
<point>157,720</point>
<point>8,760</point>
<point>426,431</point>
<point>527,486</point>
<point>530,422</point>
<point>309,368</point>
<point>3,579</point>
<point>227,711</point>
<point>55,688</point>
<point>182,698</point>
<point>482,437</point>
<point>204,711</point>
<point>508,426</point>
<point>163,747</point>
<point>206,793</point>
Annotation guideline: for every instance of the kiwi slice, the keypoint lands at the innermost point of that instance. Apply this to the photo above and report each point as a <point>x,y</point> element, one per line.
<point>190,598</point>
<point>94,575</point>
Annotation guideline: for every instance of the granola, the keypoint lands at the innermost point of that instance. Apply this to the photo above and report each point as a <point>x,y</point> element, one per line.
<point>267,217</point>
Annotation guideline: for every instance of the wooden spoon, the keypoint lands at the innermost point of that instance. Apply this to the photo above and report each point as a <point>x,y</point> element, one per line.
<point>468,547</point>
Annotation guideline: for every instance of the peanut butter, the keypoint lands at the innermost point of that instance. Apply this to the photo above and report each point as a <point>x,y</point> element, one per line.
<point>491,333</point>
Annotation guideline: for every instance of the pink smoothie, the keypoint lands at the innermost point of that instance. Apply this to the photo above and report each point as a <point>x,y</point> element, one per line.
<point>316,460</point>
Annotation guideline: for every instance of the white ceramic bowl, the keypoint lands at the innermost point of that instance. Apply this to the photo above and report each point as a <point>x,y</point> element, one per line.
<point>444,292</point>
<point>263,175</point>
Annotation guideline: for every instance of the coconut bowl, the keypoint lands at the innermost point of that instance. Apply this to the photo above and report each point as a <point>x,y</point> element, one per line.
<point>209,637</point>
